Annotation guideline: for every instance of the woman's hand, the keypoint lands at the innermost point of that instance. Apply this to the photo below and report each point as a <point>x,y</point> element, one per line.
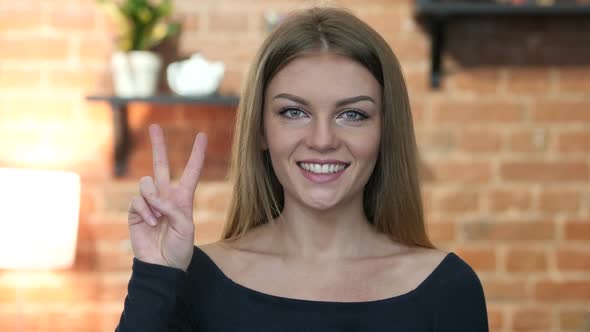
<point>161,218</point>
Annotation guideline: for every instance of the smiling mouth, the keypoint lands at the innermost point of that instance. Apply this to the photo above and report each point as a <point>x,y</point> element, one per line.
<point>323,168</point>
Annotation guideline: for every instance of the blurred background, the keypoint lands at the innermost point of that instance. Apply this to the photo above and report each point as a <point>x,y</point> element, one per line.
<point>504,146</point>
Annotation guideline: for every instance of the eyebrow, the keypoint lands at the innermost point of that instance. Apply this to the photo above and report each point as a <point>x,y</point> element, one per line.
<point>339,103</point>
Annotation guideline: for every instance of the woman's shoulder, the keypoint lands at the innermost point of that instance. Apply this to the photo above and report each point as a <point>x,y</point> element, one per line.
<point>453,276</point>
<point>222,256</point>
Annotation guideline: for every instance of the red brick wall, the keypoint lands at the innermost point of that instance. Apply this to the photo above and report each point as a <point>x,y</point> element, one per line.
<point>504,144</point>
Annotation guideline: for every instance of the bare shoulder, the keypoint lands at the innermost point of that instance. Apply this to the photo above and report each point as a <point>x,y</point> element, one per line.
<point>429,255</point>
<point>234,257</point>
<point>417,264</point>
<point>217,251</point>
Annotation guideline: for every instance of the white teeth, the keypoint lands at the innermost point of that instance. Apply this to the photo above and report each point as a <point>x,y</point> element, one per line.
<point>316,168</point>
<point>322,168</point>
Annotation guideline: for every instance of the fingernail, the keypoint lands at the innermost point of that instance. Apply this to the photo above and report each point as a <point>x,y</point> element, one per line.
<point>152,221</point>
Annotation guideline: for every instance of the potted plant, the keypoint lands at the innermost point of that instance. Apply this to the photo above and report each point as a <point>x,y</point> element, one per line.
<point>141,25</point>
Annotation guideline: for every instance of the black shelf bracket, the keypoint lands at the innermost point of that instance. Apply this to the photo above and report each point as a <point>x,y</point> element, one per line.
<point>119,108</point>
<point>439,13</point>
<point>437,30</point>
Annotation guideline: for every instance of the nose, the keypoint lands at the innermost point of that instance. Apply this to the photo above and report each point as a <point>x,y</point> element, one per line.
<point>322,136</point>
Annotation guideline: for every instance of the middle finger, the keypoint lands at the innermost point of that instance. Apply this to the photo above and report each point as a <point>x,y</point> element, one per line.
<point>159,156</point>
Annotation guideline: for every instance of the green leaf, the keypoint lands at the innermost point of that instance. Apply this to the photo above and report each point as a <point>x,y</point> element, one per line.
<point>141,24</point>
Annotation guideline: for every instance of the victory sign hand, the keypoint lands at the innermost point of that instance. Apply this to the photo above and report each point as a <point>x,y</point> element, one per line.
<point>160,219</point>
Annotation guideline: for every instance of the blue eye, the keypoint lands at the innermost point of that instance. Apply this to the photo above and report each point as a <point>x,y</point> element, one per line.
<point>353,115</point>
<point>292,113</point>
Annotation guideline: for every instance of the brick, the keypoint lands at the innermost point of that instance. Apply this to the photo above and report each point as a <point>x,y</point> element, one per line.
<point>20,19</point>
<point>574,141</point>
<point>73,18</point>
<point>504,290</point>
<point>8,321</point>
<point>577,230</point>
<point>479,141</point>
<point>232,81</point>
<point>561,112</point>
<point>571,259</point>
<point>509,231</point>
<point>19,79</point>
<point>117,198</point>
<point>87,200</point>
<point>572,319</point>
<point>409,48</point>
<point>209,118</point>
<point>562,291</point>
<point>95,49</point>
<point>189,21</point>
<point>502,200</point>
<point>418,112</point>
<point>431,141</point>
<point>72,319</point>
<point>385,21</point>
<point>40,49</point>
<point>417,83</point>
<point>217,156</point>
<point>98,113</point>
<point>477,112</point>
<point>79,79</point>
<point>528,81</point>
<point>559,200</point>
<point>525,140</point>
<point>39,110</point>
<point>531,319</point>
<point>526,260</point>
<point>104,234</point>
<point>457,201</point>
<point>61,286</point>
<point>495,317</point>
<point>207,232</point>
<point>213,197</point>
<point>475,80</point>
<point>574,79</point>
<point>142,115</point>
<point>480,259</point>
<point>441,231</point>
<point>545,171</point>
<point>461,171</point>
<point>101,261</point>
<point>228,21</point>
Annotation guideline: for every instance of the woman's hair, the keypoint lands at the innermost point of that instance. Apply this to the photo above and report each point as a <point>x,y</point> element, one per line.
<point>392,196</point>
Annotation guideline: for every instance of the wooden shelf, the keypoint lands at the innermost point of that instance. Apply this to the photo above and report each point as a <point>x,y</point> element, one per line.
<point>439,13</point>
<point>120,118</point>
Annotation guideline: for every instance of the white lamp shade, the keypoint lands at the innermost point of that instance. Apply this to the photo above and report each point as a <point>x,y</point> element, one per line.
<point>38,218</point>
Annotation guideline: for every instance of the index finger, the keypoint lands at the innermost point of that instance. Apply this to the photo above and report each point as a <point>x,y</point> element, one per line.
<point>160,159</point>
<point>192,171</point>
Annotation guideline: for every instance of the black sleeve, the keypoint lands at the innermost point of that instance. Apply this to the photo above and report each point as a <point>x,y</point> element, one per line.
<point>461,304</point>
<point>154,302</point>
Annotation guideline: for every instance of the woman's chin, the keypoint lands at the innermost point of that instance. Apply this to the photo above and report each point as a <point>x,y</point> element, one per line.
<point>320,203</point>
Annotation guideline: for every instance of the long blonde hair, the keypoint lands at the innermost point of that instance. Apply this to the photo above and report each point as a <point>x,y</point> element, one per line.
<point>392,195</point>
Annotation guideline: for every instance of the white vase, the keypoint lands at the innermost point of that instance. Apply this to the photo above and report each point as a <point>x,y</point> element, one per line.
<point>135,73</point>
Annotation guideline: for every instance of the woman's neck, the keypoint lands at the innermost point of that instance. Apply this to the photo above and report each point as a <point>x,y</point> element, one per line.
<point>340,232</point>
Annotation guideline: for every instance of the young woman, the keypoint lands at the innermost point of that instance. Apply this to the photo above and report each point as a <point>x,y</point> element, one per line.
<point>325,231</point>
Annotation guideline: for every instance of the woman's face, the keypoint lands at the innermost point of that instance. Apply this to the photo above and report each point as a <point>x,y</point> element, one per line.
<point>322,127</point>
